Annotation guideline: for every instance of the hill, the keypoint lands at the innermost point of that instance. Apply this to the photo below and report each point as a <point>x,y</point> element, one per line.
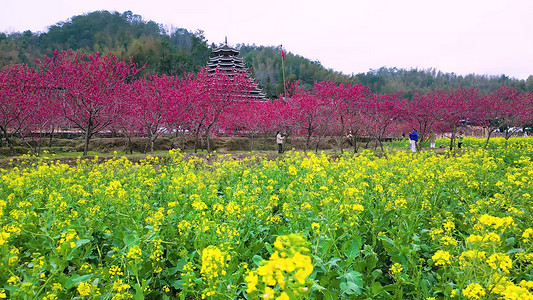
<point>177,51</point>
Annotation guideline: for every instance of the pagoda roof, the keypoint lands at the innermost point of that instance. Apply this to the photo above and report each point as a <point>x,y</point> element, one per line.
<point>225,58</point>
<point>221,57</point>
<point>238,66</point>
<point>226,50</point>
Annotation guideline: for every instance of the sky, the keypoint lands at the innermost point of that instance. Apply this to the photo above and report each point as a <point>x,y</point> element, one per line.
<point>484,37</point>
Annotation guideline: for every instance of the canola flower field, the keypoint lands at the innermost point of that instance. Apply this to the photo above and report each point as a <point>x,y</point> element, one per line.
<point>304,226</point>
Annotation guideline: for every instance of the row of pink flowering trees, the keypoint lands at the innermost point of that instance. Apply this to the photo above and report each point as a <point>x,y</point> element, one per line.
<point>94,93</point>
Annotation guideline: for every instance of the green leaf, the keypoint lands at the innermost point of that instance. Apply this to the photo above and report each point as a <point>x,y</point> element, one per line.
<point>75,280</point>
<point>376,288</point>
<point>388,244</point>
<point>81,242</point>
<point>257,260</point>
<point>355,248</point>
<point>355,277</point>
<point>376,273</point>
<point>176,284</point>
<point>327,294</point>
<point>353,283</point>
<point>317,287</point>
<point>129,239</point>
<point>516,250</point>
<point>333,262</point>
<point>351,288</point>
<point>138,292</point>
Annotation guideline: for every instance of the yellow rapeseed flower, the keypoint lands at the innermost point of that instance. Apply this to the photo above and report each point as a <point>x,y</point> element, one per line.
<point>474,291</point>
<point>84,289</point>
<point>441,258</point>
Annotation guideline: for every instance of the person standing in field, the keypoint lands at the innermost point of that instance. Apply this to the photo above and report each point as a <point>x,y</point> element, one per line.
<point>432,139</point>
<point>460,139</point>
<point>279,140</point>
<point>413,139</point>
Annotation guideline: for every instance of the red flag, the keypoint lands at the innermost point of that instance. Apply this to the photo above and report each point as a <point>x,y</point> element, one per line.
<point>282,53</point>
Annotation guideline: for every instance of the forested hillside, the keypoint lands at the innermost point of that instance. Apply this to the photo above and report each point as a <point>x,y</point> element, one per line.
<point>177,51</point>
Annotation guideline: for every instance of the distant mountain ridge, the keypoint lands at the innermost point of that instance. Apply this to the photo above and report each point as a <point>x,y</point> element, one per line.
<point>177,51</point>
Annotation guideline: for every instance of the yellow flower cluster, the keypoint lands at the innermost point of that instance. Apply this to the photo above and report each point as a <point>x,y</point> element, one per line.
<point>134,253</point>
<point>528,233</point>
<point>474,291</point>
<point>214,262</point>
<point>86,289</point>
<point>115,270</point>
<point>3,237</point>
<point>471,258</point>
<point>70,236</point>
<point>496,223</point>
<point>441,258</point>
<point>396,268</point>
<point>285,273</point>
<point>120,288</point>
<point>500,261</point>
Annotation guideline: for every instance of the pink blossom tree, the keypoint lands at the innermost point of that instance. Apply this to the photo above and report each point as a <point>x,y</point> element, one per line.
<point>213,95</point>
<point>310,113</point>
<point>423,113</point>
<point>505,108</point>
<point>18,93</point>
<point>151,101</point>
<point>90,88</point>
<point>345,122</point>
<point>380,113</point>
<point>456,110</point>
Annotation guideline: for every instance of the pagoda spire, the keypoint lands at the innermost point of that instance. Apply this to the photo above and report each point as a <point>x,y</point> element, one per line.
<point>226,40</point>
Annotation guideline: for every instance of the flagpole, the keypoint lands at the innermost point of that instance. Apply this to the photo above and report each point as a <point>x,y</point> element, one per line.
<point>283,71</point>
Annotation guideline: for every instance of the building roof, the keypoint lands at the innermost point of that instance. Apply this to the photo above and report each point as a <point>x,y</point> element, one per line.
<point>225,58</point>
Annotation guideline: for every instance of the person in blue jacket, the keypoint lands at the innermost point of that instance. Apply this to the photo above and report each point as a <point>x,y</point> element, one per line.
<point>413,139</point>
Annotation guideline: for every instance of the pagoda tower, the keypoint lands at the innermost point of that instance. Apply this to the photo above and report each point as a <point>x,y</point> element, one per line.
<point>225,58</point>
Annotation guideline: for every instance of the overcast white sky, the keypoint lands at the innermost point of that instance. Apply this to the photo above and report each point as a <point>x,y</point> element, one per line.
<point>491,37</point>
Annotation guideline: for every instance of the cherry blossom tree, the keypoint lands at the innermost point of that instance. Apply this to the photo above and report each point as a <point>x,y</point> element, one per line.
<point>18,92</point>
<point>505,108</point>
<point>345,122</point>
<point>90,88</point>
<point>213,95</point>
<point>309,112</point>
<point>380,113</point>
<point>152,100</point>
<point>423,113</point>
<point>456,110</point>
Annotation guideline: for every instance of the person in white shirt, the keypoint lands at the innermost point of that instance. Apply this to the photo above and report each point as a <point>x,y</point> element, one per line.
<point>279,140</point>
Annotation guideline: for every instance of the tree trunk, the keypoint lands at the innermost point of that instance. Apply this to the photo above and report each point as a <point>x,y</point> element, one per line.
<point>130,144</point>
<point>51,136</point>
<point>86,144</point>
<point>317,143</point>
<point>452,141</point>
<point>88,134</point>
<point>208,140</point>
<point>507,136</point>
<point>153,137</point>
<point>488,137</point>
<point>196,138</point>
<point>308,140</point>
<point>252,143</point>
